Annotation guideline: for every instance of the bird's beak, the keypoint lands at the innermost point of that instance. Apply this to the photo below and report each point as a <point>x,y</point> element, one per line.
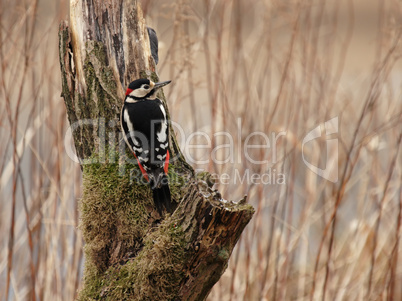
<point>161,84</point>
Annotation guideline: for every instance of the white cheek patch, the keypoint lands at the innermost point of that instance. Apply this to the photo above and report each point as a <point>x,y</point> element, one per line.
<point>161,136</point>
<point>140,93</point>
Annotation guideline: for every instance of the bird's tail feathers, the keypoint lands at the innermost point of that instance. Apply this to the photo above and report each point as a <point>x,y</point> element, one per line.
<point>162,198</point>
<point>157,178</point>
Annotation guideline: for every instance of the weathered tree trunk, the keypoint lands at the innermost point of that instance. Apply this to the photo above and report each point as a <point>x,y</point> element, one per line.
<point>131,252</point>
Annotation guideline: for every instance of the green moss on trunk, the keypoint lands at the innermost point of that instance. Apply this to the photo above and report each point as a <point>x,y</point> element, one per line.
<point>159,279</point>
<point>117,212</point>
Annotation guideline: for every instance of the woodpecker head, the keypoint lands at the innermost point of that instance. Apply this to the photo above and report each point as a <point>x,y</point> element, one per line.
<point>143,88</point>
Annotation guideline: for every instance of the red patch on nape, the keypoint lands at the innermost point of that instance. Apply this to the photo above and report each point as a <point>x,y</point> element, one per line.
<point>128,91</point>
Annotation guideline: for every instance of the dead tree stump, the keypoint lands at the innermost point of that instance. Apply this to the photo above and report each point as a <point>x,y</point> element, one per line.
<point>131,252</point>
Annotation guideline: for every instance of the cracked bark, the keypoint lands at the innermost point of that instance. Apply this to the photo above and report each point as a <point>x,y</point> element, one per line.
<point>179,257</point>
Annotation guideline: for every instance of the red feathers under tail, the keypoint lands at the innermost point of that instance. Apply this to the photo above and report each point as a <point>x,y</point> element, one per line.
<point>158,181</point>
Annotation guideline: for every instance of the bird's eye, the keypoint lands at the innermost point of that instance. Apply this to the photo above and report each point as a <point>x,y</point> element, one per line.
<point>146,87</point>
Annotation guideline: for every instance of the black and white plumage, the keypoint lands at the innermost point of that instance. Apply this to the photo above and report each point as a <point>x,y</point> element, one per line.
<point>146,131</point>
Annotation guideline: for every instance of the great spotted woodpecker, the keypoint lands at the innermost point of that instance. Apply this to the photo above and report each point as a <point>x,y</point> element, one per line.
<point>146,131</point>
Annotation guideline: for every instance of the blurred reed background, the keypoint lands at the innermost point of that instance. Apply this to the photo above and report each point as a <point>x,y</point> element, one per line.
<point>269,67</point>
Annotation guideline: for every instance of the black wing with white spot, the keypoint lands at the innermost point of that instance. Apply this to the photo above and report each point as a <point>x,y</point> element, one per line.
<point>147,134</point>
